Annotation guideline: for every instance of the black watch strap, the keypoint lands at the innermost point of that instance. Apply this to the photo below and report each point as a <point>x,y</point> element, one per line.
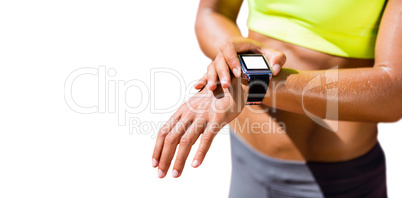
<point>258,86</point>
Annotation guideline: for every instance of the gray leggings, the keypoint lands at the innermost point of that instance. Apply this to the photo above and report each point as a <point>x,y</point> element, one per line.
<point>256,175</point>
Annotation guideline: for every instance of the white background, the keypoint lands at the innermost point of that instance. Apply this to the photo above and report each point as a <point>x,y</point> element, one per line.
<point>49,150</point>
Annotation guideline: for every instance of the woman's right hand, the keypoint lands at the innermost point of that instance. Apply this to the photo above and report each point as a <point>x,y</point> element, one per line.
<point>227,61</point>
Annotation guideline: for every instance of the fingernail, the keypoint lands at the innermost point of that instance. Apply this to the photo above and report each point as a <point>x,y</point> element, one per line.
<point>224,82</point>
<point>195,163</point>
<point>236,72</point>
<point>276,68</point>
<point>175,173</point>
<point>160,173</point>
<point>154,162</point>
<point>211,84</point>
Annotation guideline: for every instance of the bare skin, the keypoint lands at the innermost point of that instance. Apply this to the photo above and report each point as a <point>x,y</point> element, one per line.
<point>368,92</point>
<point>299,137</point>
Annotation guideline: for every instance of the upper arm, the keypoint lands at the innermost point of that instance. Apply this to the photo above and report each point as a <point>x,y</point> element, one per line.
<point>388,48</point>
<point>388,53</point>
<point>215,23</point>
<point>228,8</point>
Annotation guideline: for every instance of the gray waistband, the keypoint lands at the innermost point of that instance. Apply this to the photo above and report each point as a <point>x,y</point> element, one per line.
<point>358,177</point>
<point>244,154</point>
<point>254,168</point>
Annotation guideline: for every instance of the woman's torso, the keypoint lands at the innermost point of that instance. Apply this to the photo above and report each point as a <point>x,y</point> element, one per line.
<point>293,136</point>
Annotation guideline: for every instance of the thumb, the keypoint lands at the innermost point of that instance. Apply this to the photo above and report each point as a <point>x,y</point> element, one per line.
<point>201,83</point>
<point>276,58</point>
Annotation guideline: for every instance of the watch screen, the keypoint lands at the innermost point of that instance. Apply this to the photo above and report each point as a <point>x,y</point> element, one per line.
<point>255,62</point>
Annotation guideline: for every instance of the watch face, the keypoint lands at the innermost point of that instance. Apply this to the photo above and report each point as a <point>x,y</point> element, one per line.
<point>254,62</point>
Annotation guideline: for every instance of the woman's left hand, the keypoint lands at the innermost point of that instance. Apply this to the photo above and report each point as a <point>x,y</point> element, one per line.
<point>227,62</point>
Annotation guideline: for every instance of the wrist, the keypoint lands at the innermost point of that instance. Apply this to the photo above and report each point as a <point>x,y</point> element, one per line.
<point>241,86</point>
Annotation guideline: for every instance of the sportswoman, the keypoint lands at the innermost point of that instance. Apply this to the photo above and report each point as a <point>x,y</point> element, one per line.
<point>337,73</point>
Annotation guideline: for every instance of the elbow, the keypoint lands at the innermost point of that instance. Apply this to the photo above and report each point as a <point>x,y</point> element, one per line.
<point>201,19</point>
<point>379,115</point>
<point>197,25</point>
<point>392,117</point>
<point>393,101</point>
<point>391,108</point>
<point>392,111</point>
<point>200,33</point>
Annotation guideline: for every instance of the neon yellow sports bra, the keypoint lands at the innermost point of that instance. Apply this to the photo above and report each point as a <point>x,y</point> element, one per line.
<point>345,28</point>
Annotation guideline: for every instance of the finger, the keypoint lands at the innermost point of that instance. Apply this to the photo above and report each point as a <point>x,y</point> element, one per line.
<point>165,129</point>
<point>205,144</point>
<point>212,76</point>
<point>229,53</point>
<point>202,82</point>
<point>186,141</point>
<point>223,71</point>
<point>276,58</point>
<point>169,146</point>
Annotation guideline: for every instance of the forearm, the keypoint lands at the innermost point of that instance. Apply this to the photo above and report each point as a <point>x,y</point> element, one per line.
<point>361,94</point>
<point>213,27</point>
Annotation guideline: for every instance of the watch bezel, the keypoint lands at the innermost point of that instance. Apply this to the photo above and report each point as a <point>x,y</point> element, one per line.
<point>250,74</point>
<point>254,71</point>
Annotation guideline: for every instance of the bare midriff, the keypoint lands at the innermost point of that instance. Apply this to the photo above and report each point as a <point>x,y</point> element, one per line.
<point>286,135</point>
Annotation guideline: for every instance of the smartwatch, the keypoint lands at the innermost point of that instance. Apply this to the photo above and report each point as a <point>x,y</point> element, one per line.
<point>256,69</point>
